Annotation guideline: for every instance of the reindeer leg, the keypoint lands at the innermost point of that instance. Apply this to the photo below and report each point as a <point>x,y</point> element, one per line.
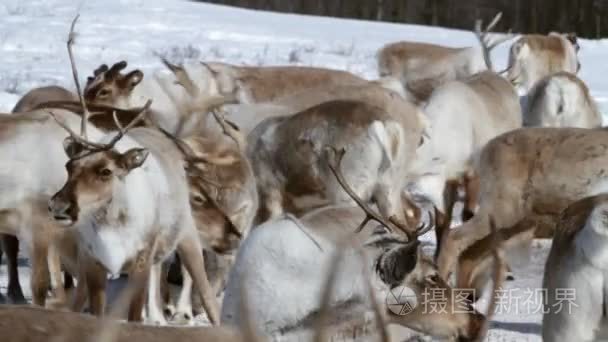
<point>165,289</point>
<point>459,239</point>
<point>80,296</point>
<point>450,194</point>
<point>471,191</point>
<point>139,278</point>
<point>96,282</point>
<point>183,312</point>
<point>155,312</point>
<point>40,272</point>
<point>54,263</point>
<point>191,255</point>
<point>10,246</point>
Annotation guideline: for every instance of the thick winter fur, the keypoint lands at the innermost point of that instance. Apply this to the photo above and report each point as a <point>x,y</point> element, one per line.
<point>463,116</point>
<point>578,265</point>
<point>144,212</point>
<point>288,251</point>
<point>531,174</point>
<point>288,157</point>
<point>267,84</point>
<point>561,100</point>
<point>422,67</point>
<point>248,116</point>
<point>534,57</point>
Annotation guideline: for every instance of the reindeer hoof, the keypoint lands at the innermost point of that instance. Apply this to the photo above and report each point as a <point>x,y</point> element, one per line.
<point>510,276</point>
<point>182,318</point>
<point>169,310</point>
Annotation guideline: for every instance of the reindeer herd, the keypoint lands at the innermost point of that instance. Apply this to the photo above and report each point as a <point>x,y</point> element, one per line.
<point>284,191</point>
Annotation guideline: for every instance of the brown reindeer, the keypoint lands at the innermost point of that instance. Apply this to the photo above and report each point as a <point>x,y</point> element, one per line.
<point>422,67</point>
<point>531,175</point>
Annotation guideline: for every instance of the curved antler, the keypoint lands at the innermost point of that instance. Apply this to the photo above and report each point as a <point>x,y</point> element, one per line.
<point>488,45</point>
<point>390,224</point>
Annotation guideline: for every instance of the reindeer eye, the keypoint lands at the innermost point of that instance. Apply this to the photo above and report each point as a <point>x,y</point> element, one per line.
<point>433,278</point>
<point>198,199</point>
<point>105,173</point>
<point>103,93</point>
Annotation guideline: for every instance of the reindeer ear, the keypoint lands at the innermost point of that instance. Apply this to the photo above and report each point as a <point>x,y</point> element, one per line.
<point>72,147</point>
<point>132,79</point>
<point>396,263</point>
<point>133,158</point>
<point>574,40</point>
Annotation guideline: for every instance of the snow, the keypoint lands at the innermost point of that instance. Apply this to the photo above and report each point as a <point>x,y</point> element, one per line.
<point>32,44</point>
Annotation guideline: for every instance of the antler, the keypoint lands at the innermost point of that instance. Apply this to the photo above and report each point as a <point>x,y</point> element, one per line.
<point>488,45</point>
<point>370,214</point>
<point>122,131</point>
<point>230,129</point>
<point>85,114</point>
<point>82,138</point>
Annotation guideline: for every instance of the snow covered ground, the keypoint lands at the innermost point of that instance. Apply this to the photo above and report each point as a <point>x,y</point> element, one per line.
<point>33,53</point>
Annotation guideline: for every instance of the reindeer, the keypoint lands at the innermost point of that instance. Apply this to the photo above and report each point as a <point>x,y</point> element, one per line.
<point>533,57</point>
<point>422,67</point>
<point>463,116</point>
<point>9,243</point>
<point>527,177</point>
<point>576,264</point>
<point>223,194</point>
<point>561,100</point>
<point>289,250</point>
<point>211,82</point>
<point>285,155</point>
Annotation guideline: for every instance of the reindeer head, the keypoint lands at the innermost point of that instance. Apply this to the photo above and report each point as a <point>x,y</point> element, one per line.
<point>533,57</point>
<point>108,86</point>
<point>95,171</point>
<point>92,178</point>
<point>416,296</point>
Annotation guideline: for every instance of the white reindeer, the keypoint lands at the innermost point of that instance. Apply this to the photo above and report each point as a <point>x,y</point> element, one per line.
<point>575,274</point>
<point>561,100</point>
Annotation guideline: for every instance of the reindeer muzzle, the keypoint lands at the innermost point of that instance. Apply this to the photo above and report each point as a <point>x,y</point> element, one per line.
<point>62,211</point>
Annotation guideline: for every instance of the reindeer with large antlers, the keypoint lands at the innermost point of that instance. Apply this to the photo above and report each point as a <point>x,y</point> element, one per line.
<point>299,250</point>
<point>422,67</point>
